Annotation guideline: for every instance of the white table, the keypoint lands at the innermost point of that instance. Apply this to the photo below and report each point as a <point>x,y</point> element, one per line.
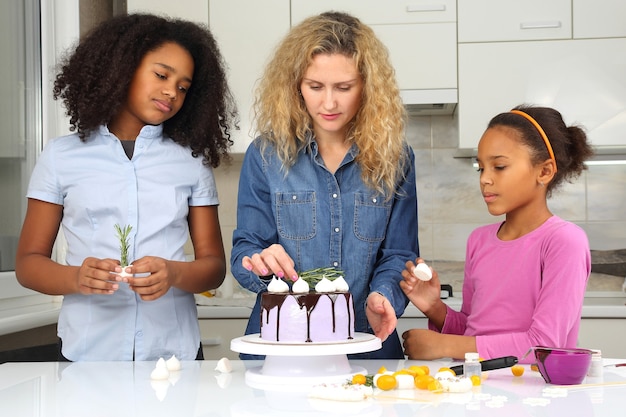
<point>120,389</point>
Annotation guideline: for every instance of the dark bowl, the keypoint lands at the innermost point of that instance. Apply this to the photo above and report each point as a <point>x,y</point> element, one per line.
<point>563,366</point>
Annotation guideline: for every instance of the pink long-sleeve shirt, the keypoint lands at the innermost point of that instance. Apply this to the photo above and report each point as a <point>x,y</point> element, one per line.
<point>524,292</point>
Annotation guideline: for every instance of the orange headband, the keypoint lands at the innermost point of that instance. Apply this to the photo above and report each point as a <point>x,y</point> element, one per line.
<point>541,132</point>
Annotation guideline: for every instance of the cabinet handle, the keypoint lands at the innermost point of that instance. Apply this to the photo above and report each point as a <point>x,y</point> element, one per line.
<point>211,341</point>
<point>426,8</point>
<point>540,25</point>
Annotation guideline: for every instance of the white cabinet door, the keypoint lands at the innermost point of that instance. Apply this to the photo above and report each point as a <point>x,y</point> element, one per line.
<point>583,79</point>
<point>608,335</point>
<point>247,32</point>
<point>420,36</point>
<point>380,12</point>
<point>193,10</point>
<point>512,20</point>
<point>216,334</point>
<point>599,19</point>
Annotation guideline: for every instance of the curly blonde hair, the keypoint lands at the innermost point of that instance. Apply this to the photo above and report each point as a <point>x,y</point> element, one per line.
<point>378,127</point>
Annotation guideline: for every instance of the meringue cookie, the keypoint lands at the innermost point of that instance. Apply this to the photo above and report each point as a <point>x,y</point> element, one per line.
<point>423,272</point>
<point>277,285</point>
<point>224,366</point>
<point>325,285</point>
<point>341,284</point>
<point>300,286</point>
<point>159,373</point>
<point>173,364</point>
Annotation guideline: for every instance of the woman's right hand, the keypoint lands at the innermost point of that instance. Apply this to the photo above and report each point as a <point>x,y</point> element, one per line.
<point>273,260</point>
<point>99,276</point>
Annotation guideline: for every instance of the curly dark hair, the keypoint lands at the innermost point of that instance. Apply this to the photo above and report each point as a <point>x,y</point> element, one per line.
<point>570,143</point>
<point>94,80</point>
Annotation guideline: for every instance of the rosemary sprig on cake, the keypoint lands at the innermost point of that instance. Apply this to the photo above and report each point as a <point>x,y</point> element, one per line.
<point>313,276</point>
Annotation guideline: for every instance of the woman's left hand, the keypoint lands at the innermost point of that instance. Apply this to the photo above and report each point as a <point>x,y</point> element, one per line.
<point>155,277</point>
<point>380,315</point>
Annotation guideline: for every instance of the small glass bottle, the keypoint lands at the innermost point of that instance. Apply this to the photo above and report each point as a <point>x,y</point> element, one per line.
<point>471,366</point>
<point>595,368</point>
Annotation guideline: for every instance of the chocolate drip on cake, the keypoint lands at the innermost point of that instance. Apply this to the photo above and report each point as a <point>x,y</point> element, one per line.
<point>347,295</point>
<point>306,301</point>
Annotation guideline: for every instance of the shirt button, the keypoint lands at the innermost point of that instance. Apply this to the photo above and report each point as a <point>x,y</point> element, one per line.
<point>335,264</point>
<point>139,333</point>
<point>294,197</point>
<point>337,229</point>
<point>335,195</point>
<point>373,200</point>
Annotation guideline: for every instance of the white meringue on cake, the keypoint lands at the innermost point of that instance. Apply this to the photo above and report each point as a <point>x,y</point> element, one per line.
<point>277,285</point>
<point>341,285</point>
<point>300,286</point>
<point>325,285</point>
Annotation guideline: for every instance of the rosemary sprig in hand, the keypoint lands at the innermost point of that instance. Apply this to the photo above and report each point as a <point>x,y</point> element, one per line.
<point>122,235</point>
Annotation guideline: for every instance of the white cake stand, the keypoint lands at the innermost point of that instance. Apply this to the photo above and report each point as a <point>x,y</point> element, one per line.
<point>293,365</point>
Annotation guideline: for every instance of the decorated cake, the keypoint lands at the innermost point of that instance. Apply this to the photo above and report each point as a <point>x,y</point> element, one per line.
<point>301,315</point>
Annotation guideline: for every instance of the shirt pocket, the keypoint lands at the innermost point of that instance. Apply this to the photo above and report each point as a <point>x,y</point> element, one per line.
<point>371,215</point>
<point>296,214</point>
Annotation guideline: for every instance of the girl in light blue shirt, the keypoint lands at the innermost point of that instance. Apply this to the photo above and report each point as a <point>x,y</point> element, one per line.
<point>149,104</point>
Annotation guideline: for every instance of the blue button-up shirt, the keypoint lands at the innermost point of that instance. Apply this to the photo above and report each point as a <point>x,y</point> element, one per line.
<point>324,219</point>
<point>98,186</point>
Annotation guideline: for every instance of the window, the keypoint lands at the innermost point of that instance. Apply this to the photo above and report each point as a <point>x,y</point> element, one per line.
<point>20,116</point>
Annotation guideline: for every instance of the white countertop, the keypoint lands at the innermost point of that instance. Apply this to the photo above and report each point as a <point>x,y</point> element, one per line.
<point>107,389</point>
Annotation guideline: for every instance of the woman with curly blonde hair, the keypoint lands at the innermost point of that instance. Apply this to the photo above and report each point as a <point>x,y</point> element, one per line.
<point>330,180</point>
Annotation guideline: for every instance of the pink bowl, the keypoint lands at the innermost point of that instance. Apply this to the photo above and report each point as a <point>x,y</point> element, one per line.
<point>563,366</point>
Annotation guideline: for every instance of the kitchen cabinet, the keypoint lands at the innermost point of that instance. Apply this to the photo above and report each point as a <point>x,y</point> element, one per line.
<point>216,334</point>
<point>196,11</point>
<point>510,20</point>
<point>420,36</point>
<point>246,32</point>
<point>599,19</point>
<point>606,334</point>
<point>583,79</point>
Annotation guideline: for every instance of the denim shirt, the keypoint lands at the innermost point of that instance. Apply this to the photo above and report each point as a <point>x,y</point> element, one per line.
<point>324,219</point>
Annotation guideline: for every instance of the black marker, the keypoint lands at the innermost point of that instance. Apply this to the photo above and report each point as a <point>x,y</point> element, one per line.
<point>490,364</point>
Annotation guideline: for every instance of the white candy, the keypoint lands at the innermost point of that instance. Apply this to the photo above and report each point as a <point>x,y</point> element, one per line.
<point>300,286</point>
<point>160,373</point>
<point>224,366</point>
<point>423,272</point>
<point>173,364</point>
<point>325,285</point>
<point>277,285</point>
<point>341,284</point>
<point>405,381</point>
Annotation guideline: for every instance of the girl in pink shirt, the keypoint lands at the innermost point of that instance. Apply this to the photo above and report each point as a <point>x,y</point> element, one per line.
<point>525,278</point>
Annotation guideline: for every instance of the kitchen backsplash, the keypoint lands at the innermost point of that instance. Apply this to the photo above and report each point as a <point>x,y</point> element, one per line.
<point>449,201</point>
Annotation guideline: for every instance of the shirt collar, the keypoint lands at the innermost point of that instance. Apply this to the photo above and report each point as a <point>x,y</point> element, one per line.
<point>147,132</point>
<point>313,149</point>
